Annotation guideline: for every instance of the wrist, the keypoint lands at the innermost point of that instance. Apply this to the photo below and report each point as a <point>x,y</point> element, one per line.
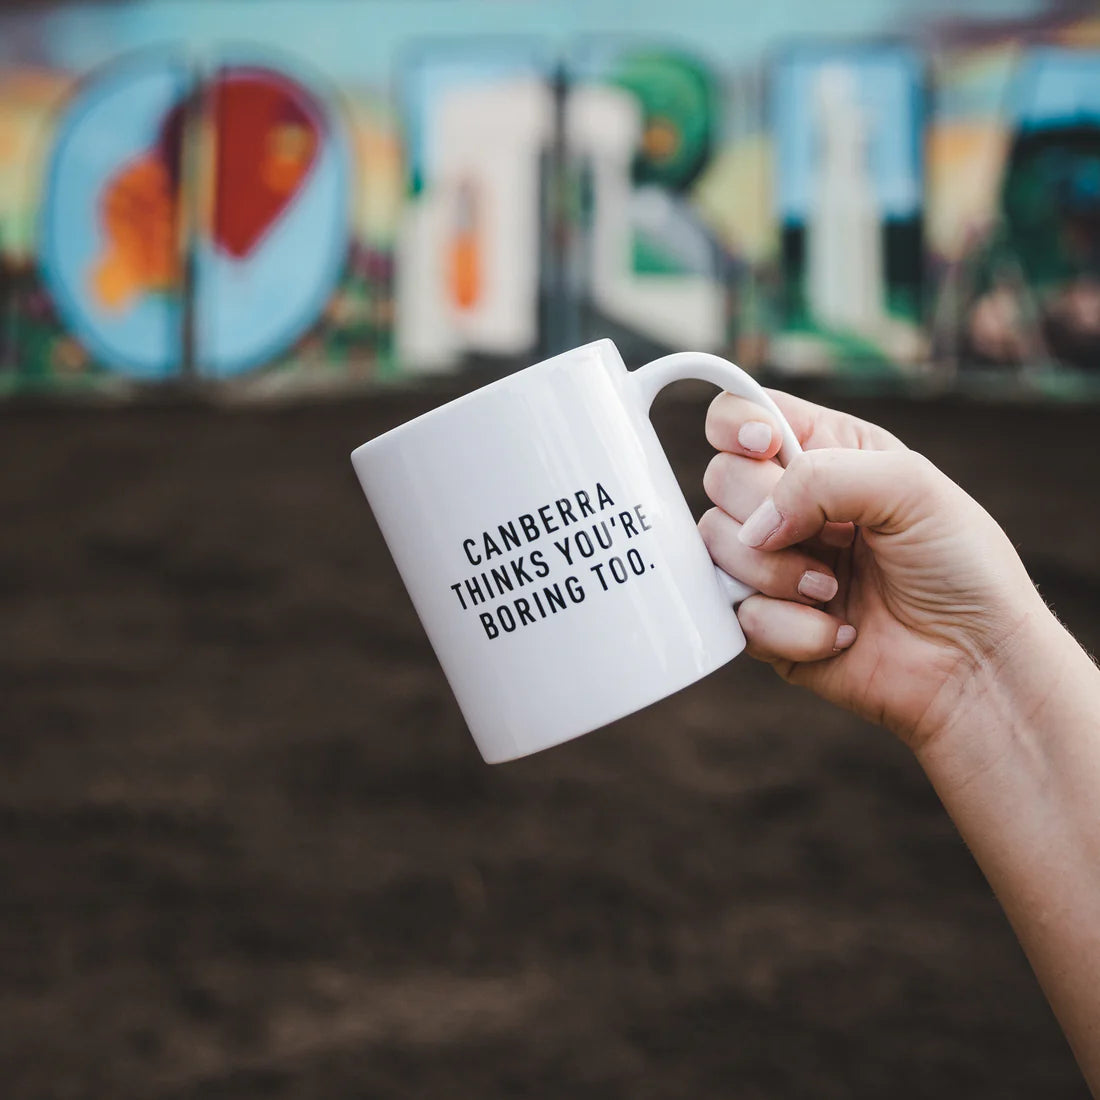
<point>1017,767</point>
<point>1014,700</point>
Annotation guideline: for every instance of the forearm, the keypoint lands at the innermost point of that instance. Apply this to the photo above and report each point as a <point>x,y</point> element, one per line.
<point>1018,769</point>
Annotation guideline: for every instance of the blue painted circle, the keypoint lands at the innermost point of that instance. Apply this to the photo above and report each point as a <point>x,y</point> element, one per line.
<point>113,122</point>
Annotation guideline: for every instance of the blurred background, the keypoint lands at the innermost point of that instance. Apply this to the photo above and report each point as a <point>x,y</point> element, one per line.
<point>247,847</point>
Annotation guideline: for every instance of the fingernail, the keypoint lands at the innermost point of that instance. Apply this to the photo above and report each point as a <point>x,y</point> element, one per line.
<point>755,435</point>
<point>763,523</point>
<point>817,586</point>
<point>845,635</point>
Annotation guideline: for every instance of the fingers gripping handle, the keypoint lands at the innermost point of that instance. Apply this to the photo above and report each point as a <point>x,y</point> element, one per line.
<point>653,377</point>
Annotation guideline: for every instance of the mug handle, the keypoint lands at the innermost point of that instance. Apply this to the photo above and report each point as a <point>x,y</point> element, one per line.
<point>653,377</point>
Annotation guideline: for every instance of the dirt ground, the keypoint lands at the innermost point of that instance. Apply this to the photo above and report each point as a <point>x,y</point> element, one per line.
<point>247,848</point>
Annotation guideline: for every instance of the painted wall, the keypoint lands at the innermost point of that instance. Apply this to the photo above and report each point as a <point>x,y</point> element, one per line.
<point>327,193</point>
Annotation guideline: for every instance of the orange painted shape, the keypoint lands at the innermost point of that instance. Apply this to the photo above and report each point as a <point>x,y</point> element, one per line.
<point>137,210</point>
<point>465,257</point>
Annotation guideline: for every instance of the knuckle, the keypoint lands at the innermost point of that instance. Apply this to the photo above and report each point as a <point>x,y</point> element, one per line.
<point>750,614</point>
<point>919,472</point>
<point>801,468</point>
<point>810,471</point>
<point>924,467</point>
<point>801,473</point>
<point>914,463</point>
<point>824,461</point>
<point>716,420</point>
<point>709,524</point>
<point>714,477</point>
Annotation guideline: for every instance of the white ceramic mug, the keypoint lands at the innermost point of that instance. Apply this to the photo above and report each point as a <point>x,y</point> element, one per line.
<point>548,548</point>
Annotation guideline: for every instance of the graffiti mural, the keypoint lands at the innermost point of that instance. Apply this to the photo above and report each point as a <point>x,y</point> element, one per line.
<point>1028,292</point>
<point>189,224</point>
<point>269,253</point>
<point>111,235</point>
<point>448,188</point>
<point>547,208</point>
<point>641,129</point>
<point>848,128</point>
<point>469,246</point>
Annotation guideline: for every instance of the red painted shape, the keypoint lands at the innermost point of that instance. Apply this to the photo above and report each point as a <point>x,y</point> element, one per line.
<point>267,138</point>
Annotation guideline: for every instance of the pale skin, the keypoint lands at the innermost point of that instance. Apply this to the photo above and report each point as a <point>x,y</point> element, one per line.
<point>919,615</point>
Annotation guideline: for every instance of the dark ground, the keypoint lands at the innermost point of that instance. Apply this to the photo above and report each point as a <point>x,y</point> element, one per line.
<point>248,849</point>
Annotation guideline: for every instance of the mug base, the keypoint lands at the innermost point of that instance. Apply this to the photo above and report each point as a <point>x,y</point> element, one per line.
<point>524,746</point>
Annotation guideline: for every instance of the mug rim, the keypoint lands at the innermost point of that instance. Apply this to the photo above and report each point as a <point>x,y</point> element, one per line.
<point>466,398</point>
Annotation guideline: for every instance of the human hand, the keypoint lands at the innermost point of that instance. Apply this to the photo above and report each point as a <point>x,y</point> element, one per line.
<point>931,585</point>
<point>952,648</point>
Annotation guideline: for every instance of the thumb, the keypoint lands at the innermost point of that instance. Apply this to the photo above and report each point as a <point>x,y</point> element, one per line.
<point>883,491</point>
